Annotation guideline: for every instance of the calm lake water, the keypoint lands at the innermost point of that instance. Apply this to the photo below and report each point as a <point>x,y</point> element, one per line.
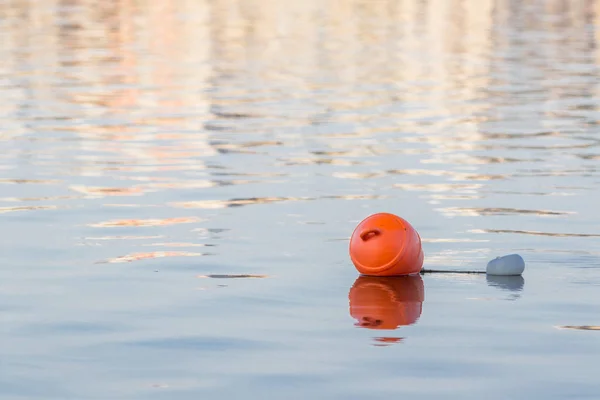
<point>152,151</point>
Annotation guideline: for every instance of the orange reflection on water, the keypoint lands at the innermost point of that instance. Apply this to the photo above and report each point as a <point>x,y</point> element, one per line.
<point>386,302</point>
<point>387,341</point>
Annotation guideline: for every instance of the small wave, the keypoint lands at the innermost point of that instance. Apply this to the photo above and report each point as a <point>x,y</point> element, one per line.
<point>474,211</point>
<point>535,233</point>
<point>29,181</point>
<point>580,327</point>
<point>26,208</point>
<point>108,191</point>
<point>150,255</point>
<point>233,276</point>
<point>145,222</point>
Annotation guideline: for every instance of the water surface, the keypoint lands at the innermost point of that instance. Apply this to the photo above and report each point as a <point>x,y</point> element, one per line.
<point>179,181</point>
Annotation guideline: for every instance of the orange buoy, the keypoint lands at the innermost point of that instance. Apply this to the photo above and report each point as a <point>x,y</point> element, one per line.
<point>386,302</point>
<point>384,244</point>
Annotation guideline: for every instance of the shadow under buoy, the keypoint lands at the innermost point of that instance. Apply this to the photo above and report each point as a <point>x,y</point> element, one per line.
<point>509,283</point>
<point>512,284</point>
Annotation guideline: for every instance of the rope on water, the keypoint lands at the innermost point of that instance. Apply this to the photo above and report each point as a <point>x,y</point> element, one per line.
<point>441,271</point>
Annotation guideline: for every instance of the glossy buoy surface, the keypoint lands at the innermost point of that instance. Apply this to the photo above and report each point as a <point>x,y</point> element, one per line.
<point>385,244</point>
<point>386,302</point>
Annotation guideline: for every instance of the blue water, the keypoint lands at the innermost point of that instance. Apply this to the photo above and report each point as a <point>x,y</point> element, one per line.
<point>152,153</point>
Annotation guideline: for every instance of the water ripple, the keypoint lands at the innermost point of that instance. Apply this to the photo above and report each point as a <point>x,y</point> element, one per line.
<point>258,134</point>
<point>581,327</point>
<point>108,191</point>
<point>232,276</point>
<point>179,244</point>
<point>535,233</point>
<point>149,255</point>
<point>145,222</point>
<point>475,211</point>
<point>215,204</point>
<point>30,181</point>
<point>4,210</point>
<point>130,237</point>
<point>210,204</point>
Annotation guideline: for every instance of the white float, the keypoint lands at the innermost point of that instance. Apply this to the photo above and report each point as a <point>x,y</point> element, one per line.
<point>510,265</point>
